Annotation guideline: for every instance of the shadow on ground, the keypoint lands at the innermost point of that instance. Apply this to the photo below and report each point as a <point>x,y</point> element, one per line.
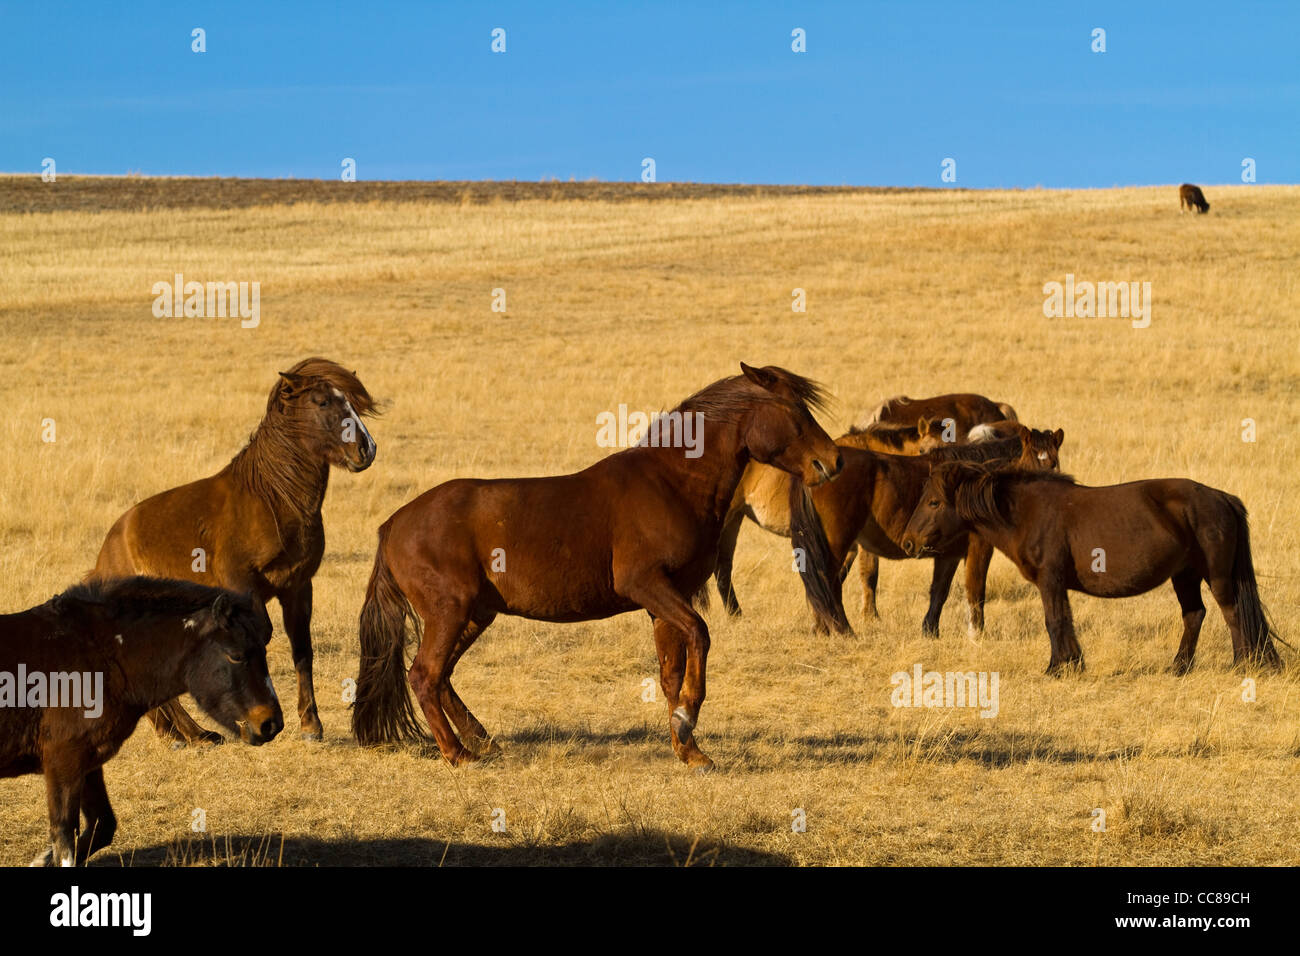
<point>642,848</point>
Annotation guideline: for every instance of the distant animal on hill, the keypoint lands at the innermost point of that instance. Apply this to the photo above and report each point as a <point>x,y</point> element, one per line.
<point>1191,197</point>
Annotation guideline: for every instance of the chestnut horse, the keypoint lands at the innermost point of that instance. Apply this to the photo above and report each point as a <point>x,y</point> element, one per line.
<point>255,526</point>
<point>869,506</point>
<point>966,410</point>
<point>113,650</point>
<point>763,493</point>
<point>1111,541</point>
<point>638,529</point>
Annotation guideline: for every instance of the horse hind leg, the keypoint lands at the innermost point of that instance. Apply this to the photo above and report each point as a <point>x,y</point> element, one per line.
<point>472,732</point>
<point>1187,587</point>
<point>444,629</point>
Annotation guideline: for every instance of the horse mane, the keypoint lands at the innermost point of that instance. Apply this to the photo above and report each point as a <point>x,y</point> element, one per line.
<point>274,464</point>
<point>140,597</point>
<point>894,434</point>
<point>728,398</point>
<point>978,490</point>
<point>976,452</point>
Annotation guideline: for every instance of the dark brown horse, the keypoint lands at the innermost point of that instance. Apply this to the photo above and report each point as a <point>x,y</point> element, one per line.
<point>256,526</point>
<point>1112,541</point>
<point>638,529</point>
<point>1191,197</point>
<point>78,672</point>
<point>868,507</point>
<point>964,409</point>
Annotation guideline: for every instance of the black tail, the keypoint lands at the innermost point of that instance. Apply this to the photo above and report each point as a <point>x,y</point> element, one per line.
<point>383,710</point>
<point>818,568</point>
<point>1256,627</point>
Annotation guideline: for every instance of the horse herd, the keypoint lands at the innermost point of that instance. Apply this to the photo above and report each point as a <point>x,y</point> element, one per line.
<point>177,598</point>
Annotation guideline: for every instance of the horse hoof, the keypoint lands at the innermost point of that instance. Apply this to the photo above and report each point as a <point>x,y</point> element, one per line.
<point>43,859</point>
<point>1179,668</point>
<point>682,724</point>
<point>313,735</point>
<point>701,765</point>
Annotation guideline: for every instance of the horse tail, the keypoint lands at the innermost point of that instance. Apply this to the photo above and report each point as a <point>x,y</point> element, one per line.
<point>1008,413</point>
<point>818,570</point>
<point>981,433</point>
<point>383,710</point>
<point>1252,617</point>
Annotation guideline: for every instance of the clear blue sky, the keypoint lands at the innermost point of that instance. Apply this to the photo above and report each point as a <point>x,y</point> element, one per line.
<point>885,91</point>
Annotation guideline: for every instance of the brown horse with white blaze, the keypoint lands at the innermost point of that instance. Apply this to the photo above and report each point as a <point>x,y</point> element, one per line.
<point>256,526</point>
<point>638,529</point>
<point>1111,541</point>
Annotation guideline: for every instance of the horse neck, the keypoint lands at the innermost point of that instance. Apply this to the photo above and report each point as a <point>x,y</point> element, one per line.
<point>904,477</point>
<point>285,475</point>
<point>708,482</point>
<point>152,657</point>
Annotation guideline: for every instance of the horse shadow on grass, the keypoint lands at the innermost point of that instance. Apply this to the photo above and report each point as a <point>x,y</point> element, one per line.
<point>989,748</point>
<point>632,847</point>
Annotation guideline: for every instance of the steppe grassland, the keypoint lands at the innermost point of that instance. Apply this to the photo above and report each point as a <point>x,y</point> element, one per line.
<point>642,303</point>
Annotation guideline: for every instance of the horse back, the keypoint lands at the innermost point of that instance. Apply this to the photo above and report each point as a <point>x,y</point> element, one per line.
<point>209,531</point>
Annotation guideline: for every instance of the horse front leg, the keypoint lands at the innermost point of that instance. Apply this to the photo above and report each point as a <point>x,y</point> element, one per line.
<point>978,555</point>
<point>726,555</point>
<point>296,606</point>
<point>64,780</point>
<point>944,569</point>
<point>682,645</point>
<point>1066,652</point>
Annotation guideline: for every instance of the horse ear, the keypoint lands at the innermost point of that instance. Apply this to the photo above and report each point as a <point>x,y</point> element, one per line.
<point>292,379</point>
<point>221,610</point>
<point>1058,436</point>
<point>923,426</point>
<point>759,376</point>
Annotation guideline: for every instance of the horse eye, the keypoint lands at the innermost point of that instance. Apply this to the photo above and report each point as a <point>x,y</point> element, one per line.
<point>934,502</point>
<point>323,402</point>
<point>236,658</point>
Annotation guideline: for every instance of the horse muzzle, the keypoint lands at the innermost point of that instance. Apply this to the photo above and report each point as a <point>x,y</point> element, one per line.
<point>261,726</point>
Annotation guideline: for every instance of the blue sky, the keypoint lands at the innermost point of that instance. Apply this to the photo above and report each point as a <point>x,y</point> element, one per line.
<point>711,91</point>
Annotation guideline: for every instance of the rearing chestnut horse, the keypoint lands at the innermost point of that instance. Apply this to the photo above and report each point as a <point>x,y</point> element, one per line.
<point>638,529</point>
<point>255,526</point>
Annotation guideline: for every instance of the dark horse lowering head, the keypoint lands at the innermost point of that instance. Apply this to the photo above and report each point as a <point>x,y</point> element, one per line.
<point>638,529</point>
<point>78,672</point>
<point>256,526</point>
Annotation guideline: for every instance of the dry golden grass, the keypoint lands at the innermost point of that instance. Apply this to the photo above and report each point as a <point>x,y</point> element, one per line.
<point>642,302</point>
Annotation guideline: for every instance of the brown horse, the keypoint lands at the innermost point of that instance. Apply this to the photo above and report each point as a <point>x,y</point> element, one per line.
<point>1191,197</point>
<point>869,506</point>
<point>763,493</point>
<point>256,526</point>
<point>83,668</point>
<point>638,529</point>
<point>1112,541</point>
<point>964,409</point>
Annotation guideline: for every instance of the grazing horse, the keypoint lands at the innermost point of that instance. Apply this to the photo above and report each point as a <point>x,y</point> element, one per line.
<point>869,505</point>
<point>255,526</point>
<point>638,529</point>
<point>763,492</point>
<point>965,409</point>
<point>1191,197</point>
<point>92,660</point>
<point>1111,541</point>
